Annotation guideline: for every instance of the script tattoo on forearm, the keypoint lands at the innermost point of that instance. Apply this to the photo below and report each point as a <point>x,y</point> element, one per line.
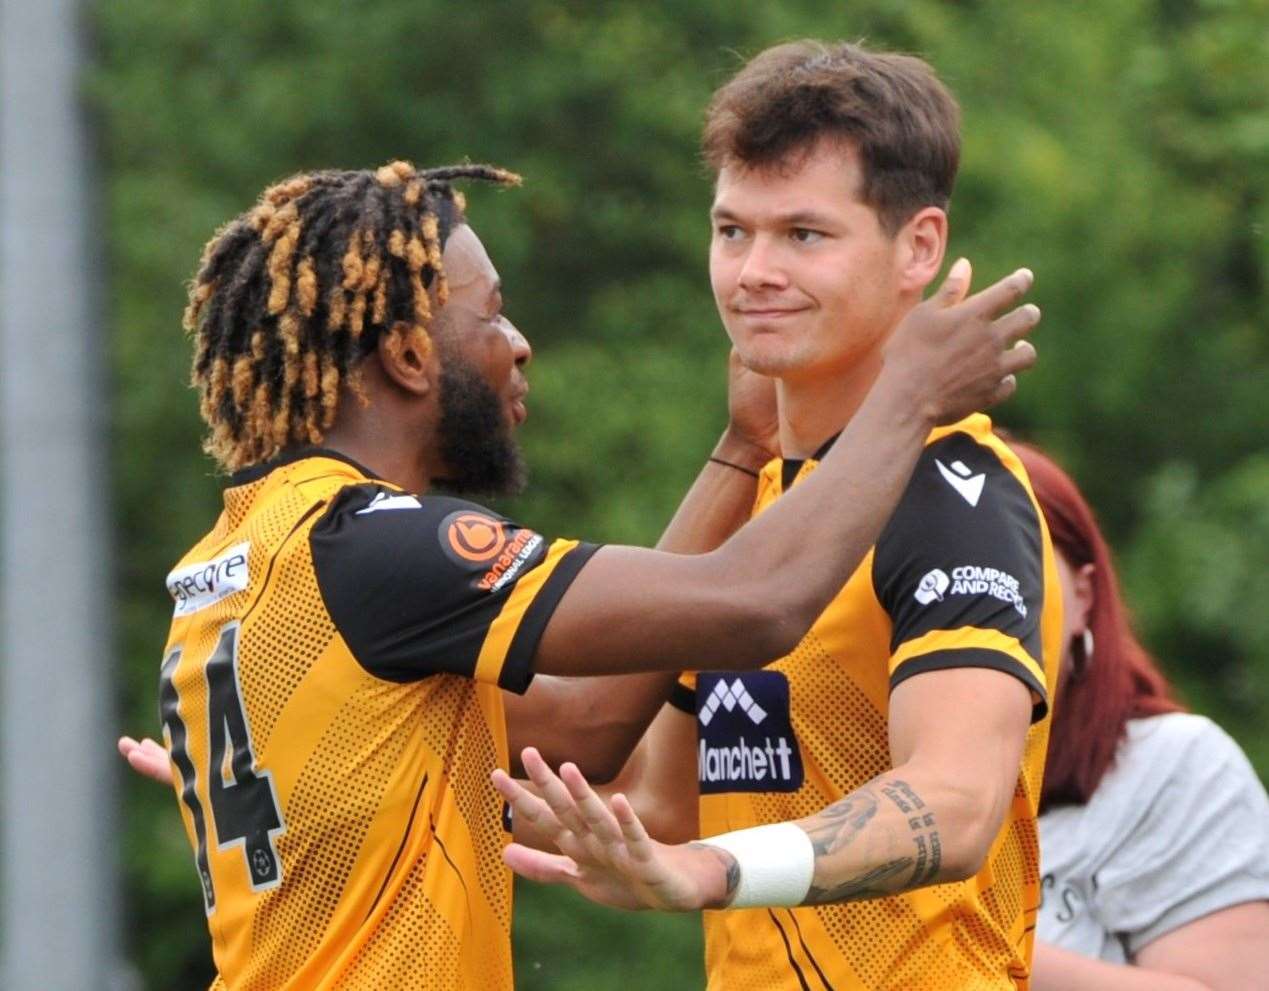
<point>929,849</point>
<point>853,821</point>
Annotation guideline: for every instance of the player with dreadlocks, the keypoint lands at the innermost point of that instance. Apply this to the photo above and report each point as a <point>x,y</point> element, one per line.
<point>343,639</point>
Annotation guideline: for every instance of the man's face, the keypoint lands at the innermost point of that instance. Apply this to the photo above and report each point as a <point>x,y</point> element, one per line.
<point>482,383</point>
<point>804,275</point>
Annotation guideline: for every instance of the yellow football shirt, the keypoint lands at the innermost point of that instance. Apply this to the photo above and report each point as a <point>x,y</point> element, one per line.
<point>962,575</point>
<point>331,698</point>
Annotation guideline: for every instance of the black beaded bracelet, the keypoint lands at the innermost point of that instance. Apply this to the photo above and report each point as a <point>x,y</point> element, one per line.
<point>730,464</point>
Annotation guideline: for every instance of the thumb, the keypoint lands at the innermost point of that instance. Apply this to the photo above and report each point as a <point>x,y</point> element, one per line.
<point>956,286</point>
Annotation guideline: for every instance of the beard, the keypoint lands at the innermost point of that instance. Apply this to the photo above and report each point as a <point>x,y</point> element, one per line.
<point>476,442</point>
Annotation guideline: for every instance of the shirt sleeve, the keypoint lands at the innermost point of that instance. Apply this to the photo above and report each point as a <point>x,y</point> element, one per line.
<point>683,694</point>
<point>1200,842</point>
<point>421,586</point>
<point>959,568</point>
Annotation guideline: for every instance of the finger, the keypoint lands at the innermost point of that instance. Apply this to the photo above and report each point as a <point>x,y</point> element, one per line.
<point>126,745</point>
<point>601,821</point>
<point>956,285</point>
<point>1018,358</point>
<point>1002,294</point>
<point>1018,323</point>
<point>525,805</point>
<point>1007,387</point>
<point>537,865</point>
<point>553,791</point>
<point>638,842</point>
<point>151,762</point>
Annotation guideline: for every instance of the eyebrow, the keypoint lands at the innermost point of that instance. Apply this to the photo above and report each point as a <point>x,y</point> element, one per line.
<point>798,218</point>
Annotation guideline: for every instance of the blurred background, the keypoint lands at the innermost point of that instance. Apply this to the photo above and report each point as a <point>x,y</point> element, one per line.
<point>1120,150</point>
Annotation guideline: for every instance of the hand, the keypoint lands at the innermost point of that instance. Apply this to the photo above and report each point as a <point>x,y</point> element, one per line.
<point>606,854</point>
<point>147,758</point>
<point>955,355</point>
<point>751,408</point>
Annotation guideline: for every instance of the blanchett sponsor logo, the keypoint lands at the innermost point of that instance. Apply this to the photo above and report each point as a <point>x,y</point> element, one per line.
<point>746,740</point>
<point>516,553</point>
<point>757,763</point>
<point>474,536</point>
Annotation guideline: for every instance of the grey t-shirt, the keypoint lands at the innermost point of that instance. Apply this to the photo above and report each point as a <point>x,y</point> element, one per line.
<point>1178,828</point>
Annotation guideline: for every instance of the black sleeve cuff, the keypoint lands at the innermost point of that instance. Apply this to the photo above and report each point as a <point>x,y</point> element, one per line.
<point>517,669</point>
<point>975,657</point>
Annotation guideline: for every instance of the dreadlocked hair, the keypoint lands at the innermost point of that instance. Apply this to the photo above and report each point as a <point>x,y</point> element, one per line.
<point>293,293</point>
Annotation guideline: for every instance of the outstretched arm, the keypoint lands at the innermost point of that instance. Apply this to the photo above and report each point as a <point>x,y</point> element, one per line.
<point>597,721</point>
<point>753,598</point>
<point>957,736</point>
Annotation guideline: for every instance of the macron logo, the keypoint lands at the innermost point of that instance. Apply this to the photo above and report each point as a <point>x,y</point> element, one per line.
<point>728,697</point>
<point>958,477</point>
<point>385,501</point>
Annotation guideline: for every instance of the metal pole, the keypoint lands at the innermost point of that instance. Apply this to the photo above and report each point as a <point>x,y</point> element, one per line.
<point>56,773</point>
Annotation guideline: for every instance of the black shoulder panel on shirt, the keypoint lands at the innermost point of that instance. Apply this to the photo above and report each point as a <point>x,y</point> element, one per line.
<point>404,578</point>
<point>963,549</point>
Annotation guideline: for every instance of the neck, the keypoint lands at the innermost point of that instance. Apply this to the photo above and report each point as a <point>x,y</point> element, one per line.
<point>815,407</point>
<point>379,441</point>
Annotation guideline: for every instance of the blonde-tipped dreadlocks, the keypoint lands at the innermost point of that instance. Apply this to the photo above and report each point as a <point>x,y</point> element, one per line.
<point>290,295</point>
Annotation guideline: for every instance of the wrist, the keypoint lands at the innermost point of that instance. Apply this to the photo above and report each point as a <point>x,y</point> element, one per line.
<point>898,398</point>
<point>770,865</point>
<point>736,449</point>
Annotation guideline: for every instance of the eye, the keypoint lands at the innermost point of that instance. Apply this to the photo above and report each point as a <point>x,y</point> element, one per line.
<point>804,235</point>
<point>728,232</point>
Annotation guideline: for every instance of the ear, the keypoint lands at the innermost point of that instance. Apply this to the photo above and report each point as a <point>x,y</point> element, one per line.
<point>920,245</point>
<point>408,361</point>
<point>1083,604</point>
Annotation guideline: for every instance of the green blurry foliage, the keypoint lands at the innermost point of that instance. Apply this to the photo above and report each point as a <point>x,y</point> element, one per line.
<point>1119,150</point>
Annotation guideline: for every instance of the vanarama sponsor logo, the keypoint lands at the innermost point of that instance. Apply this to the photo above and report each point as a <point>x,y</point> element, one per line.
<point>746,739</point>
<point>474,536</point>
<point>971,579</point>
<point>516,553</point>
<point>197,586</point>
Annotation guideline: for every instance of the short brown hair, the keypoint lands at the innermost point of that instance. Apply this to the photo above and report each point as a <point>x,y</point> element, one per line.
<point>892,109</point>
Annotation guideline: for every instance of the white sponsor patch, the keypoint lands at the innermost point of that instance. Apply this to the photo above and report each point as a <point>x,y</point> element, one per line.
<point>933,585</point>
<point>971,579</point>
<point>197,586</point>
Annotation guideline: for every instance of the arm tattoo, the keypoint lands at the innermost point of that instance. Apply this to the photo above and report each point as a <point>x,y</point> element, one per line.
<point>885,870</point>
<point>730,866</point>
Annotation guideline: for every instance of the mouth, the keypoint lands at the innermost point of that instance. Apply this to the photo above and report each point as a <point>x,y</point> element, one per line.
<point>768,313</point>
<point>519,411</point>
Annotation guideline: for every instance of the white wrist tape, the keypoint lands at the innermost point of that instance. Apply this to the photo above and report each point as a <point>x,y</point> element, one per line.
<point>776,863</point>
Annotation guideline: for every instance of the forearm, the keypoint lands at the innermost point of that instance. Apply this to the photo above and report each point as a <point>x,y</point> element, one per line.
<point>900,831</point>
<point>797,559</point>
<point>597,721</point>
<point>1055,969</point>
<point>594,722</point>
<point>720,499</point>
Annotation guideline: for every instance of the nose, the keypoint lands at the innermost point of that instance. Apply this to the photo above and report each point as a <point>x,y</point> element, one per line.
<point>521,350</point>
<point>762,268</point>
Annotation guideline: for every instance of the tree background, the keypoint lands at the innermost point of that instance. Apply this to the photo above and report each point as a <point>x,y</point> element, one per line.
<point>1120,150</point>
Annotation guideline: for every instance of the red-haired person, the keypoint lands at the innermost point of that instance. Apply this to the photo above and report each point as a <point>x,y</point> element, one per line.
<point>1154,828</point>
